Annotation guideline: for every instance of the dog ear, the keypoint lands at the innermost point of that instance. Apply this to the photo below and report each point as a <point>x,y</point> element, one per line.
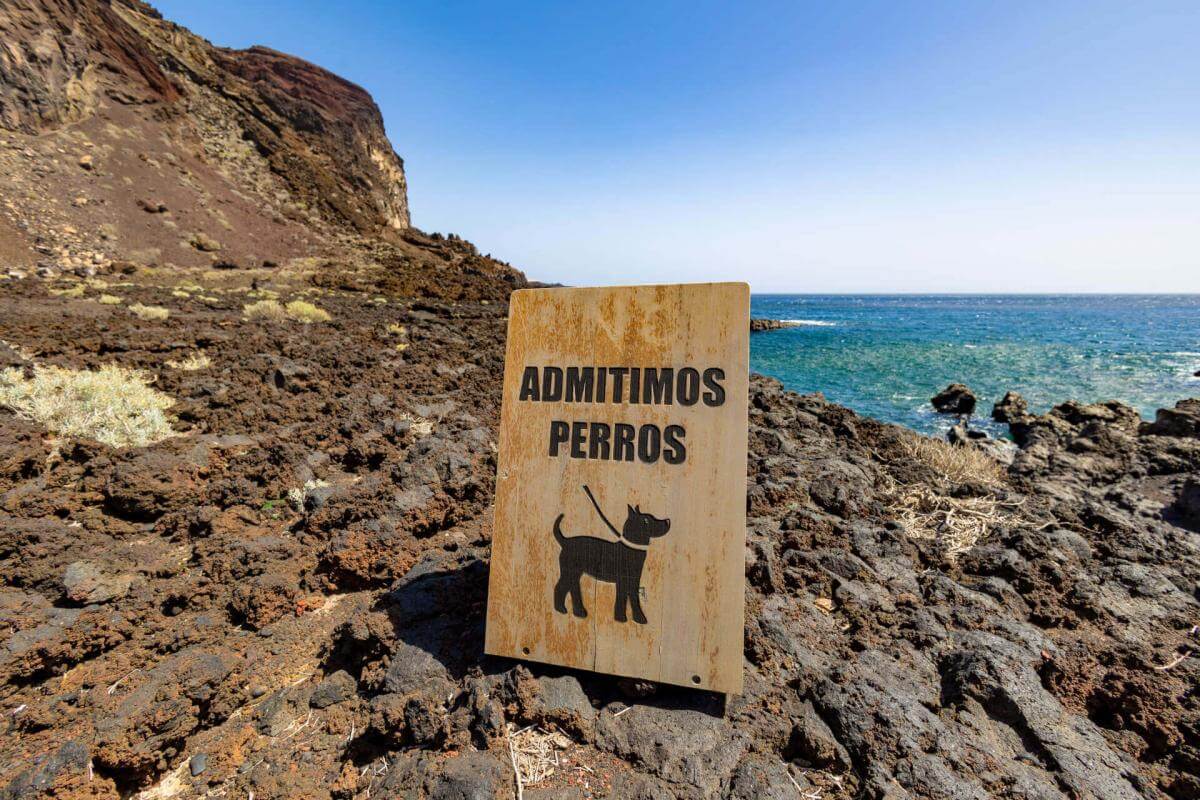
<point>638,508</point>
<point>629,508</point>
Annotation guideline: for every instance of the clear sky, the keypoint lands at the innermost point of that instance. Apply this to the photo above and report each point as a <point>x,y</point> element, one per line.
<point>802,146</point>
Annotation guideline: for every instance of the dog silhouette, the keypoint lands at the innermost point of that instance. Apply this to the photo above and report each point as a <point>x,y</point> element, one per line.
<point>617,562</point>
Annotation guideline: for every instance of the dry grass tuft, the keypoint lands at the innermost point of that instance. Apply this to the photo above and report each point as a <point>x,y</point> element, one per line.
<point>297,310</point>
<point>149,312</point>
<point>397,330</point>
<point>417,424</point>
<point>196,361</point>
<point>113,405</point>
<point>956,464</point>
<point>265,309</point>
<point>534,754</point>
<point>109,300</point>
<point>958,522</point>
<point>73,292</point>
<point>306,312</point>
<point>181,294</point>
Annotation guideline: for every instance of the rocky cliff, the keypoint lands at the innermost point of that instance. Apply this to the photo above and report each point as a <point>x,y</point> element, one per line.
<point>297,138</point>
<point>247,450</point>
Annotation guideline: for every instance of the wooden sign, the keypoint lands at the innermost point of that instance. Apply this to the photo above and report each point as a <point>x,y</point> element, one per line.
<point>620,523</point>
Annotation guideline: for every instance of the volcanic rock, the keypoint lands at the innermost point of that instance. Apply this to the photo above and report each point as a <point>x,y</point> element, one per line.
<point>758,325</point>
<point>954,399</point>
<point>1010,408</point>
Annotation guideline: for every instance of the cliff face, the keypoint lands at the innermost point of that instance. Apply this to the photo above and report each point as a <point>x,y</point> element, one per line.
<point>66,63</point>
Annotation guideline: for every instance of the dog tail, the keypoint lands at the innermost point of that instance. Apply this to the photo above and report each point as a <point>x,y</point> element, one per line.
<point>558,534</point>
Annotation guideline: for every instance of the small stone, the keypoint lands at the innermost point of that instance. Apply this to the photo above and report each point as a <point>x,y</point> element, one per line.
<point>334,689</point>
<point>198,763</point>
<point>85,161</point>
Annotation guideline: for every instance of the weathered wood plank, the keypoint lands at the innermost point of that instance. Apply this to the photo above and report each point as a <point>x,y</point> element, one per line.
<point>686,578</point>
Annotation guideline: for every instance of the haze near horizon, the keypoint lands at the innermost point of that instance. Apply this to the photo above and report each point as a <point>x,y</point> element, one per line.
<point>879,147</point>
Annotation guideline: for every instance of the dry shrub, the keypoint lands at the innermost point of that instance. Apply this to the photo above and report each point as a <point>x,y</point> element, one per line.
<point>534,753</point>
<point>149,312</point>
<point>417,424</point>
<point>957,464</point>
<point>181,294</point>
<point>265,309</point>
<point>306,312</point>
<point>113,405</point>
<point>194,362</point>
<point>297,310</point>
<point>397,330</point>
<point>957,522</point>
<point>109,300</point>
<point>73,292</point>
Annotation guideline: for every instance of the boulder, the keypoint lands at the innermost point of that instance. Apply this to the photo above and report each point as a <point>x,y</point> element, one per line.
<point>472,776</point>
<point>1011,407</point>
<point>1188,504</point>
<point>954,399</point>
<point>333,689</point>
<point>760,325</point>
<point>1183,421</point>
<point>85,583</point>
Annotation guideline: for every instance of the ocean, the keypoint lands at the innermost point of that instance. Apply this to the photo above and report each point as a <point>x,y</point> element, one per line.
<point>884,356</point>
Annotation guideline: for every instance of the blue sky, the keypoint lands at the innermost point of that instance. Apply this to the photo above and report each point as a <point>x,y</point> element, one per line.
<point>808,147</point>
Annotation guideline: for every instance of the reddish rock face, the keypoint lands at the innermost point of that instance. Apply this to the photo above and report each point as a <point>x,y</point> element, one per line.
<point>57,55</point>
<point>63,63</point>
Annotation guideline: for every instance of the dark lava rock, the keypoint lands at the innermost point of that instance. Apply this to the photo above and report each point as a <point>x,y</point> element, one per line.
<point>1188,503</point>
<point>1011,407</point>
<point>761,325</point>
<point>472,776</point>
<point>1183,421</point>
<point>954,399</point>
<point>334,689</point>
<point>962,434</point>
<point>680,745</point>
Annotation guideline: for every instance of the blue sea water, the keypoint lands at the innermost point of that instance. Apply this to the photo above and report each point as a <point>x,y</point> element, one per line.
<point>885,355</point>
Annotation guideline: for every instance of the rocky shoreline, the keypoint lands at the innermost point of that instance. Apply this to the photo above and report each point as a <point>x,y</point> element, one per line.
<point>284,596</point>
<point>759,325</point>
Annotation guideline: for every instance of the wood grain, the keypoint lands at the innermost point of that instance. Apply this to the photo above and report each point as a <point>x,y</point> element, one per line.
<point>692,581</point>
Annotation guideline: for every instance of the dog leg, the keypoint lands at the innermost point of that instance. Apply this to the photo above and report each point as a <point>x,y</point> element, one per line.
<point>560,594</point>
<point>577,599</point>
<point>619,610</point>
<point>636,603</point>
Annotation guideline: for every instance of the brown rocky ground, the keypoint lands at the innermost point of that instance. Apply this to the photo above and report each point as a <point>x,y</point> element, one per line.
<point>286,598</point>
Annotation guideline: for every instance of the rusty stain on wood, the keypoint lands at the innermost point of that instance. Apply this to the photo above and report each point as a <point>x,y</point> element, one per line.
<point>665,605</point>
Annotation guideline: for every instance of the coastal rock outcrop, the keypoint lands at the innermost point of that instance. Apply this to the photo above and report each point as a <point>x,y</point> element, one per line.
<point>1010,408</point>
<point>954,399</point>
<point>759,325</point>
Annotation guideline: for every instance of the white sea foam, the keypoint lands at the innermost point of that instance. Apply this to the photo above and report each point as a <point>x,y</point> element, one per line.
<point>816,323</point>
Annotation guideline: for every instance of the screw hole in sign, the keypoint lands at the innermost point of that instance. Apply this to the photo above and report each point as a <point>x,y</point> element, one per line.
<point>696,679</point>
<point>525,650</point>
